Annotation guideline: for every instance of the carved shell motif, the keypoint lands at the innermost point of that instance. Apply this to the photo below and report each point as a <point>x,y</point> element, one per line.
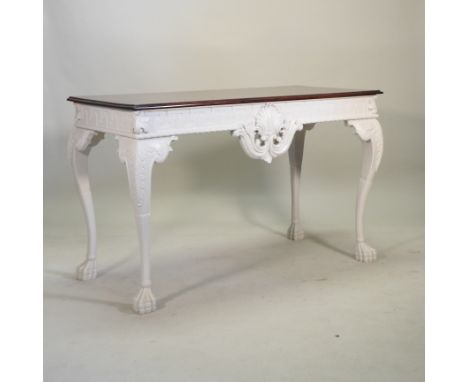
<point>268,136</point>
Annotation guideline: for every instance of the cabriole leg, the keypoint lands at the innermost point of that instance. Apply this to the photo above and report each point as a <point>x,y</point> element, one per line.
<point>296,150</point>
<point>370,132</point>
<point>139,156</point>
<point>80,144</point>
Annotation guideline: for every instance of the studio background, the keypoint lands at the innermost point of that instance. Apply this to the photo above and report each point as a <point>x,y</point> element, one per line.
<point>238,300</point>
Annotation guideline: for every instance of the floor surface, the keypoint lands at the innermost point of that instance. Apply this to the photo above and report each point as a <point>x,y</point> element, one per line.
<point>237,300</point>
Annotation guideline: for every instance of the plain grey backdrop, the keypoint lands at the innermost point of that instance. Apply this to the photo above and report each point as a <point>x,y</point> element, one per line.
<point>239,302</point>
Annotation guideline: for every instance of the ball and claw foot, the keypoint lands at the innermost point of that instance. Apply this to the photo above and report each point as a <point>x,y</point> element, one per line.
<point>295,232</point>
<point>87,270</point>
<point>365,253</point>
<point>144,302</point>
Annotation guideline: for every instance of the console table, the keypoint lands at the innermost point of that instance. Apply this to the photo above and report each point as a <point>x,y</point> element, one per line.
<point>266,121</point>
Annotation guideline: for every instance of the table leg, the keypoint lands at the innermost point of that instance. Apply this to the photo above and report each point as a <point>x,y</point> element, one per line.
<point>80,144</point>
<point>370,132</point>
<point>139,156</point>
<point>296,150</point>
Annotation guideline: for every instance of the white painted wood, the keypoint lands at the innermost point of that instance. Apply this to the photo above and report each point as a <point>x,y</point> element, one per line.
<point>265,130</point>
<point>370,132</point>
<point>80,144</point>
<point>166,122</point>
<point>139,155</point>
<point>296,151</point>
<point>268,135</point>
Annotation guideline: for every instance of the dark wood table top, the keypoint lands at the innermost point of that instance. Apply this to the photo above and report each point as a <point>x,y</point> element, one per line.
<point>217,97</point>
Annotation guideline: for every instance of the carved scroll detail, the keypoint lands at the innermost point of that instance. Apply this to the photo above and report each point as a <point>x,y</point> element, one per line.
<point>82,140</point>
<point>268,136</point>
<point>370,130</point>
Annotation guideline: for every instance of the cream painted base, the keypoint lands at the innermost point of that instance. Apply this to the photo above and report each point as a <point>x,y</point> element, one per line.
<point>264,130</point>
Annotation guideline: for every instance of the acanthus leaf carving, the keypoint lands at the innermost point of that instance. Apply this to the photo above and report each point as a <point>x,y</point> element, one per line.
<point>139,155</point>
<point>147,150</point>
<point>269,135</point>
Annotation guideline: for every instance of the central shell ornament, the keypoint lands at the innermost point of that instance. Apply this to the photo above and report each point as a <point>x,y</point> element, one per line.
<point>269,135</point>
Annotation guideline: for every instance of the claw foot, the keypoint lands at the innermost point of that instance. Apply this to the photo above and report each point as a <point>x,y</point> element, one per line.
<point>365,253</point>
<point>144,302</point>
<point>295,232</point>
<point>87,270</point>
